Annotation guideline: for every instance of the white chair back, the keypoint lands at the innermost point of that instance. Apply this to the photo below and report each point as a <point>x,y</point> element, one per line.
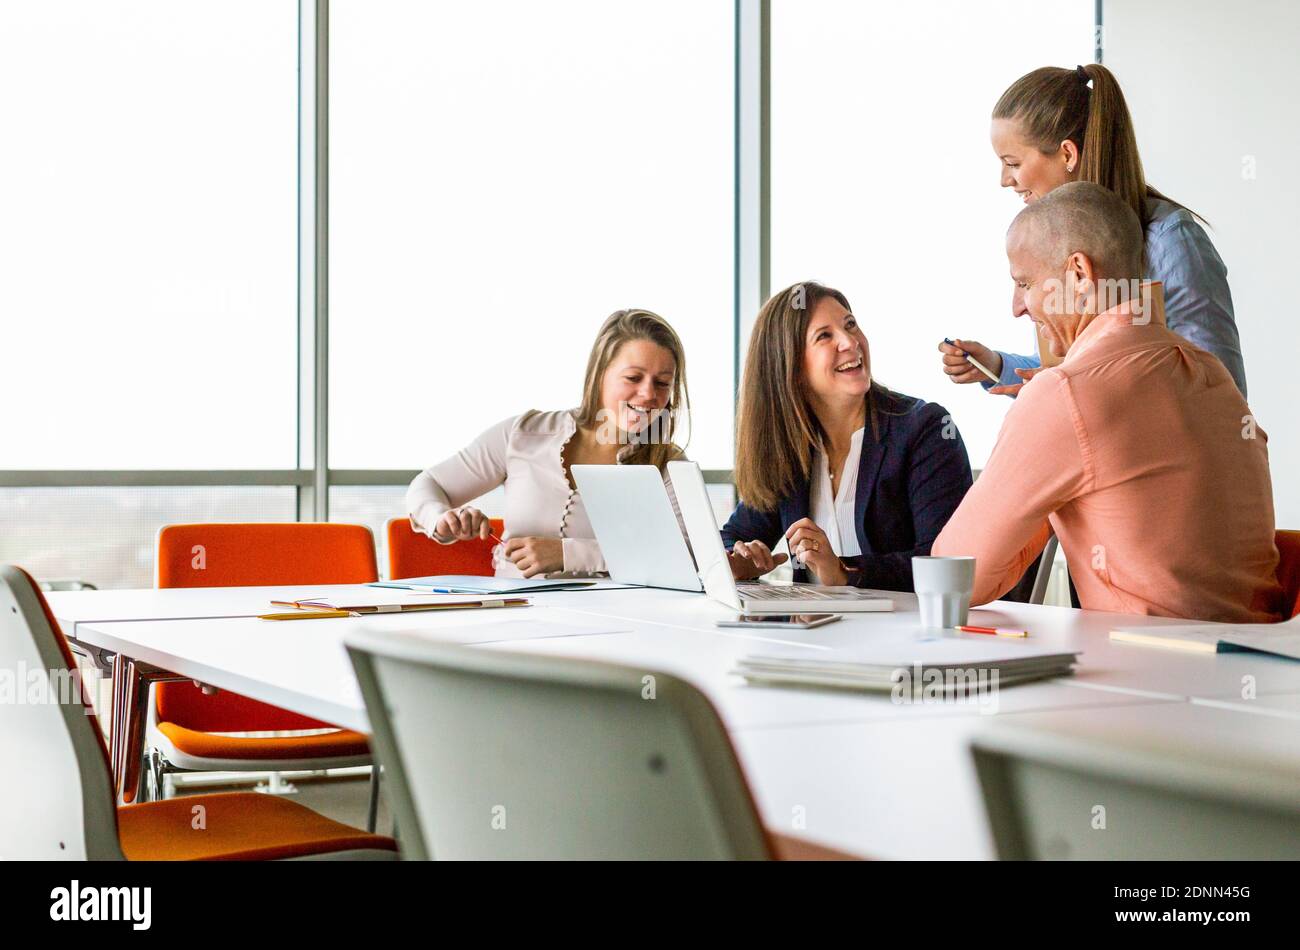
<point>56,801</point>
<point>490,755</point>
<point>1182,786</point>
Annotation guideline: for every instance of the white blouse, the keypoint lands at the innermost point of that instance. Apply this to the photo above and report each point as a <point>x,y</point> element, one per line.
<point>835,515</point>
<point>526,454</point>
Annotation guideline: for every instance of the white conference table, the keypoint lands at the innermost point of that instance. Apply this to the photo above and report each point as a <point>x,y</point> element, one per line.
<point>853,771</point>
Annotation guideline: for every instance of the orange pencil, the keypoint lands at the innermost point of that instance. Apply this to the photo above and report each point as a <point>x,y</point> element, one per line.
<point>994,631</point>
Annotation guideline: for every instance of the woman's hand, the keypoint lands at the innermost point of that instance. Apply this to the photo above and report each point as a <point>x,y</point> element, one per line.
<point>751,559</point>
<point>810,545</point>
<point>463,524</point>
<point>1025,374</point>
<point>535,556</point>
<point>962,370</point>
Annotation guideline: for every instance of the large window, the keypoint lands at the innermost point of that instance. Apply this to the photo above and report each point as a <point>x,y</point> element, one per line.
<point>506,174</point>
<point>107,536</point>
<point>884,183</point>
<point>148,234</point>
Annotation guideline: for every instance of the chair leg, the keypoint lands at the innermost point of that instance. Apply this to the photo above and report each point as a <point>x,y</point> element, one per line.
<point>1046,560</point>
<point>372,815</point>
<point>148,782</point>
<point>276,785</point>
<point>157,772</point>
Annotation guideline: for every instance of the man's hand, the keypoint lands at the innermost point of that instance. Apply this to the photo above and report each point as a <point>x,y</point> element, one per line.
<point>811,546</point>
<point>1025,374</point>
<point>751,559</point>
<point>962,370</point>
<point>535,556</point>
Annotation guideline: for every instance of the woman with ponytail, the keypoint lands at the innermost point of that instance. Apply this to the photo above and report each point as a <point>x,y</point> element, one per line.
<point>1054,126</point>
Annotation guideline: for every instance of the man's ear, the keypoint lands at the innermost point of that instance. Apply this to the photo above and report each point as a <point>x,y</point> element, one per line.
<point>1080,265</point>
<point>1081,276</point>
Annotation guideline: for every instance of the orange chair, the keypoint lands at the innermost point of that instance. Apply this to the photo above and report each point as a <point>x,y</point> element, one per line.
<point>411,554</point>
<point>184,723</point>
<point>254,555</point>
<point>1288,570</point>
<point>61,806</point>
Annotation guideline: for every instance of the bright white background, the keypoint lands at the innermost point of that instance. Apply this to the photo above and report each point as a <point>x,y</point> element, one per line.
<point>884,183</point>
<point>504,175</point>
<point>148,234</point>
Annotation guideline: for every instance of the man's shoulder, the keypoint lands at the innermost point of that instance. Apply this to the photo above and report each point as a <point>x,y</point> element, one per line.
<point>1049,385</point>
<point>1117,344</point>
<point>1132,360</point>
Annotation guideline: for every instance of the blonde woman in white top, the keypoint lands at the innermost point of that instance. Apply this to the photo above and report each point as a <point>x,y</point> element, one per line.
<point>635,388</point>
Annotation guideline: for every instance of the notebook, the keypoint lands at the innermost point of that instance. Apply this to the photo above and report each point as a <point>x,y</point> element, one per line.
<point>1279,639</point>
<point>944,664</point>
<point>474,584</point>
<point>396,603</point>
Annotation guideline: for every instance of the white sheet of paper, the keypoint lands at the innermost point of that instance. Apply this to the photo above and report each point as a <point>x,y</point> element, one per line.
<point>1282,639</point>
<point>509,630</point>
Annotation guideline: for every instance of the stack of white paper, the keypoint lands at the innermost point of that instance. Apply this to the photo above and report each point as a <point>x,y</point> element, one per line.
<point>948,664</point>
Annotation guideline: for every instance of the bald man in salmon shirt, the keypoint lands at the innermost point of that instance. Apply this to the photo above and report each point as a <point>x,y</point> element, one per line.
<point>1137,449</point>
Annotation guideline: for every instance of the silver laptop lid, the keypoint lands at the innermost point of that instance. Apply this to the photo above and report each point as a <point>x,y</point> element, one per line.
<point>634,522</point>
<point>702,527</point>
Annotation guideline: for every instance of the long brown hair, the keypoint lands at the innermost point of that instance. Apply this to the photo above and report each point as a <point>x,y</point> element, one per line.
<point>623,326</point>
<point>1052,104</point>
<point>777,430</point>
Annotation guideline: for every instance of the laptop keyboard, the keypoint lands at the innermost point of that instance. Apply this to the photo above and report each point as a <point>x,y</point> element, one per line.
<point>773,592</point>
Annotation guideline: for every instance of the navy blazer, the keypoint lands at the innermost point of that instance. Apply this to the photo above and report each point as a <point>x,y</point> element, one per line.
<point>910,481</point>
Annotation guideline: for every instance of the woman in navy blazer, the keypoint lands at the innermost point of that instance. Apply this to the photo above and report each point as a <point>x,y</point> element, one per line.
<point>858,479</point>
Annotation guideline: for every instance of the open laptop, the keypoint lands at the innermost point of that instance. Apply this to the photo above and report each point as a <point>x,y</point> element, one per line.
<point>642,543</point>
<point>633,519</point>
<point>715,570</point>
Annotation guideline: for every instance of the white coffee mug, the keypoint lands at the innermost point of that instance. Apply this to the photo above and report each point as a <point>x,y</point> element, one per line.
<point>943,588</point>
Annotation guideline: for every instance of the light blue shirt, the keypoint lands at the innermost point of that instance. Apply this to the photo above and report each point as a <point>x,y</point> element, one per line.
<point>1198,304</point>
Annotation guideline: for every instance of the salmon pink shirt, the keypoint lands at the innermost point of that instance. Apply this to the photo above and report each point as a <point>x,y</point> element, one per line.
<point>1140,452</point>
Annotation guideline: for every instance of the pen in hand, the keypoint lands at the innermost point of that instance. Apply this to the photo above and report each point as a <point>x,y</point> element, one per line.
<point>974,362</point>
